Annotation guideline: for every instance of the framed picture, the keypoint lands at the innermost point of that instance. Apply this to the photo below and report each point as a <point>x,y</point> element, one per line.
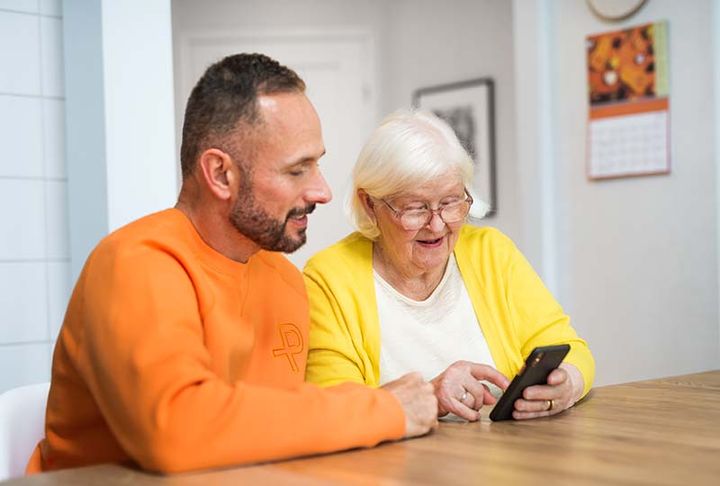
<point>469,107</point>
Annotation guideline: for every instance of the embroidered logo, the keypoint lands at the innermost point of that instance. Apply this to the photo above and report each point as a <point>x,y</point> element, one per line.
<point>292,344</point>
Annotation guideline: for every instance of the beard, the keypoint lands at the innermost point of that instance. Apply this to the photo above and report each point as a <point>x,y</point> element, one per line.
<point>257,225</point>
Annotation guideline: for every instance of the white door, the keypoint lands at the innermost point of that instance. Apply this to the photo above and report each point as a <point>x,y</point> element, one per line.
<point>338,68</point>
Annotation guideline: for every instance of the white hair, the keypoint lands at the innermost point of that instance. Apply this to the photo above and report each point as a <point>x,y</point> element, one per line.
<point>408,149</point>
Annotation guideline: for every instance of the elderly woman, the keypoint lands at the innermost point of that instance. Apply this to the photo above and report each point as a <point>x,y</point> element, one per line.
<point>418,289</point>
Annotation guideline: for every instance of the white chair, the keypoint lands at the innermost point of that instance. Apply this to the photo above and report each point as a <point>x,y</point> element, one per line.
<point>22,426</point>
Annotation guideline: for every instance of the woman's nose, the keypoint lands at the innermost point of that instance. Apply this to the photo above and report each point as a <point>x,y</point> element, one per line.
<point>436,223</point>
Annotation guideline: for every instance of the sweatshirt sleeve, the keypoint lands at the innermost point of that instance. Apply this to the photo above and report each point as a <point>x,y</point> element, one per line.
<point>146,365</point>
<point>539,318</point>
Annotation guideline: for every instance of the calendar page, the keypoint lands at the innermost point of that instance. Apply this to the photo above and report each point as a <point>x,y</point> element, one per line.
<point>628,123</point>
<point>629,144</point>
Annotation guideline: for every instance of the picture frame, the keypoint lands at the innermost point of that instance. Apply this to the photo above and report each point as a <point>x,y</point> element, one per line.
<point>469,108</point>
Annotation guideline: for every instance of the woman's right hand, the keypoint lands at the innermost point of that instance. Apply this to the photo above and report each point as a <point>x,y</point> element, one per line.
<point>459,391</point>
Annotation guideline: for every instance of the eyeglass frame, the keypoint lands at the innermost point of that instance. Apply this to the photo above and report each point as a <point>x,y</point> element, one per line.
<point>398,213</point>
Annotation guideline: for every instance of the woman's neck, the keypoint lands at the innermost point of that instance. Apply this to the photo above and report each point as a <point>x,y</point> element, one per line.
<point>412,282</point>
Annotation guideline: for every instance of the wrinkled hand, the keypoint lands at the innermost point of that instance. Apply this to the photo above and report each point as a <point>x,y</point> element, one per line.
<point>458,389</point>
<point>418,402</point>
<point>564,387</point>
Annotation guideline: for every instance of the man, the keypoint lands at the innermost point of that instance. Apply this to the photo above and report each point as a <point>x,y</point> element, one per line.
<point>184,343</point>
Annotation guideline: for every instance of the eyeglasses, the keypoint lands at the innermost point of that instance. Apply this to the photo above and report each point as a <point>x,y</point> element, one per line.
<point>414,219</point>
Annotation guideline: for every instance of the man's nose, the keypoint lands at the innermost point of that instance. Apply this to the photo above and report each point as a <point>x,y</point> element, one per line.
<point>320,192</point>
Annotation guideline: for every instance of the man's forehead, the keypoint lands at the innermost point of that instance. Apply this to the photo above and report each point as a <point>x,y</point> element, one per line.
<point>287,112</point>
<point>284,103</point>
<point>267,103</point>
<point>290,128</point>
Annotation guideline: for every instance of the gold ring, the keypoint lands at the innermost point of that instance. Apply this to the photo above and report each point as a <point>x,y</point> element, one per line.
<point>551,405</point>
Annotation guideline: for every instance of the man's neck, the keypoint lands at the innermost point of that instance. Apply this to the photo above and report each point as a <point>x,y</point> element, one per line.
<point>216,231</point>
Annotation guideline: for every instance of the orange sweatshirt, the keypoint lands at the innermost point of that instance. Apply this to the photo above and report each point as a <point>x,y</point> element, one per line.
<point>177,358</point>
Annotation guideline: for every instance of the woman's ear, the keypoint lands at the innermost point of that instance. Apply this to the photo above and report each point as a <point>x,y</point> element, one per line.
<point>216,172</point>
<point>368,204</point>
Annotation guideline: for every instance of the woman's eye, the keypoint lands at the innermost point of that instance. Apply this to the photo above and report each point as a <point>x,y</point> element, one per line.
<point>451,200</point>
<point>416,210</point>
<point>450,203</point>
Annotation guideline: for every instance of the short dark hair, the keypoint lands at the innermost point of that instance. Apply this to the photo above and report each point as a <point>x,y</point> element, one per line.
<point>227,95</point>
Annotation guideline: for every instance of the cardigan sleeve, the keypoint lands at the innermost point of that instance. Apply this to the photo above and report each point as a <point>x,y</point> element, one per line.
<point>539,319</point>
<point>333,352</point>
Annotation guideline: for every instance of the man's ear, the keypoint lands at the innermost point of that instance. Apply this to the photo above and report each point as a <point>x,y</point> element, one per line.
<point>215,171</point>
<point>368,204</point>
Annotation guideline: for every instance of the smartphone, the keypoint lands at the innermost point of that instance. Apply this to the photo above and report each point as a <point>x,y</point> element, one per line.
<point>538,366</point>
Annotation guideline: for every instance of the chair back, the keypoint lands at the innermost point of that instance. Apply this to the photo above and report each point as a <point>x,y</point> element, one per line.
<point>22,426</point>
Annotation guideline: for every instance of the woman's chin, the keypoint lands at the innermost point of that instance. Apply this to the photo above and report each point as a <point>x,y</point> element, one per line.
<point>431,258</point>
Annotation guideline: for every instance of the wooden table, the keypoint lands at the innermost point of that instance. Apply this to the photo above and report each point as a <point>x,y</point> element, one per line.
<point>664,431</point>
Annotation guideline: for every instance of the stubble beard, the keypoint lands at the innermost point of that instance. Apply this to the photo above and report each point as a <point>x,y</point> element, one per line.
<point>253,222</point>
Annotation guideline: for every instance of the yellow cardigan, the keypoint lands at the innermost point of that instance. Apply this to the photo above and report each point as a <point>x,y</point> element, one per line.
<point>514,309</point>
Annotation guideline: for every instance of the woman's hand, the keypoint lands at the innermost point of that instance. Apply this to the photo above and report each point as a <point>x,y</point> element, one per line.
<point>564,387</point>
<point>458,389</point>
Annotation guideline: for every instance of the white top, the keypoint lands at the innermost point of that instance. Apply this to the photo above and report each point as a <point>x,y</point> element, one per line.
<point>429,335</point>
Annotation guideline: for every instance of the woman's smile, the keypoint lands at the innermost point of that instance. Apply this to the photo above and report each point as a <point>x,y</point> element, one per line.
<point>431,243</point>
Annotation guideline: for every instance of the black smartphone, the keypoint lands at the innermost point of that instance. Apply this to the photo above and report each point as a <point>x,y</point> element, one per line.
<point>538,366</point>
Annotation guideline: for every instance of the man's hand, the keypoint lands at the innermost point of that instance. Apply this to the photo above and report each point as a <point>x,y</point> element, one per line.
<point>418,402</point>
<point>459,389</point>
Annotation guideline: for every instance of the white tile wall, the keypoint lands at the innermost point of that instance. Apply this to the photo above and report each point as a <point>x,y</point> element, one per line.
<point>22,212</point>
<point>20,5</point>
<point>19,53</point>
<point>23,298</point>
<point>34,240</point>
<point>21,121</point>
<point>52,57</point>
<point>24,364</point>
<point>59,289</point>
<point>54,137</point>
<point>51,7</point>
<point>56,223</point>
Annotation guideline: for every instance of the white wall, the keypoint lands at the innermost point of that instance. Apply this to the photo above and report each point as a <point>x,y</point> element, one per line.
<point>716,66</point>
<point>139,108</point>
<point>637,258</point>
<point>190,16</point>
<point>534,136</point>
<point>34,249</point>
<point>120,112</point>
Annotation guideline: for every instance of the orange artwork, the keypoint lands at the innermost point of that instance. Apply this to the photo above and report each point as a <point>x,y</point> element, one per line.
<point>622,65</point>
